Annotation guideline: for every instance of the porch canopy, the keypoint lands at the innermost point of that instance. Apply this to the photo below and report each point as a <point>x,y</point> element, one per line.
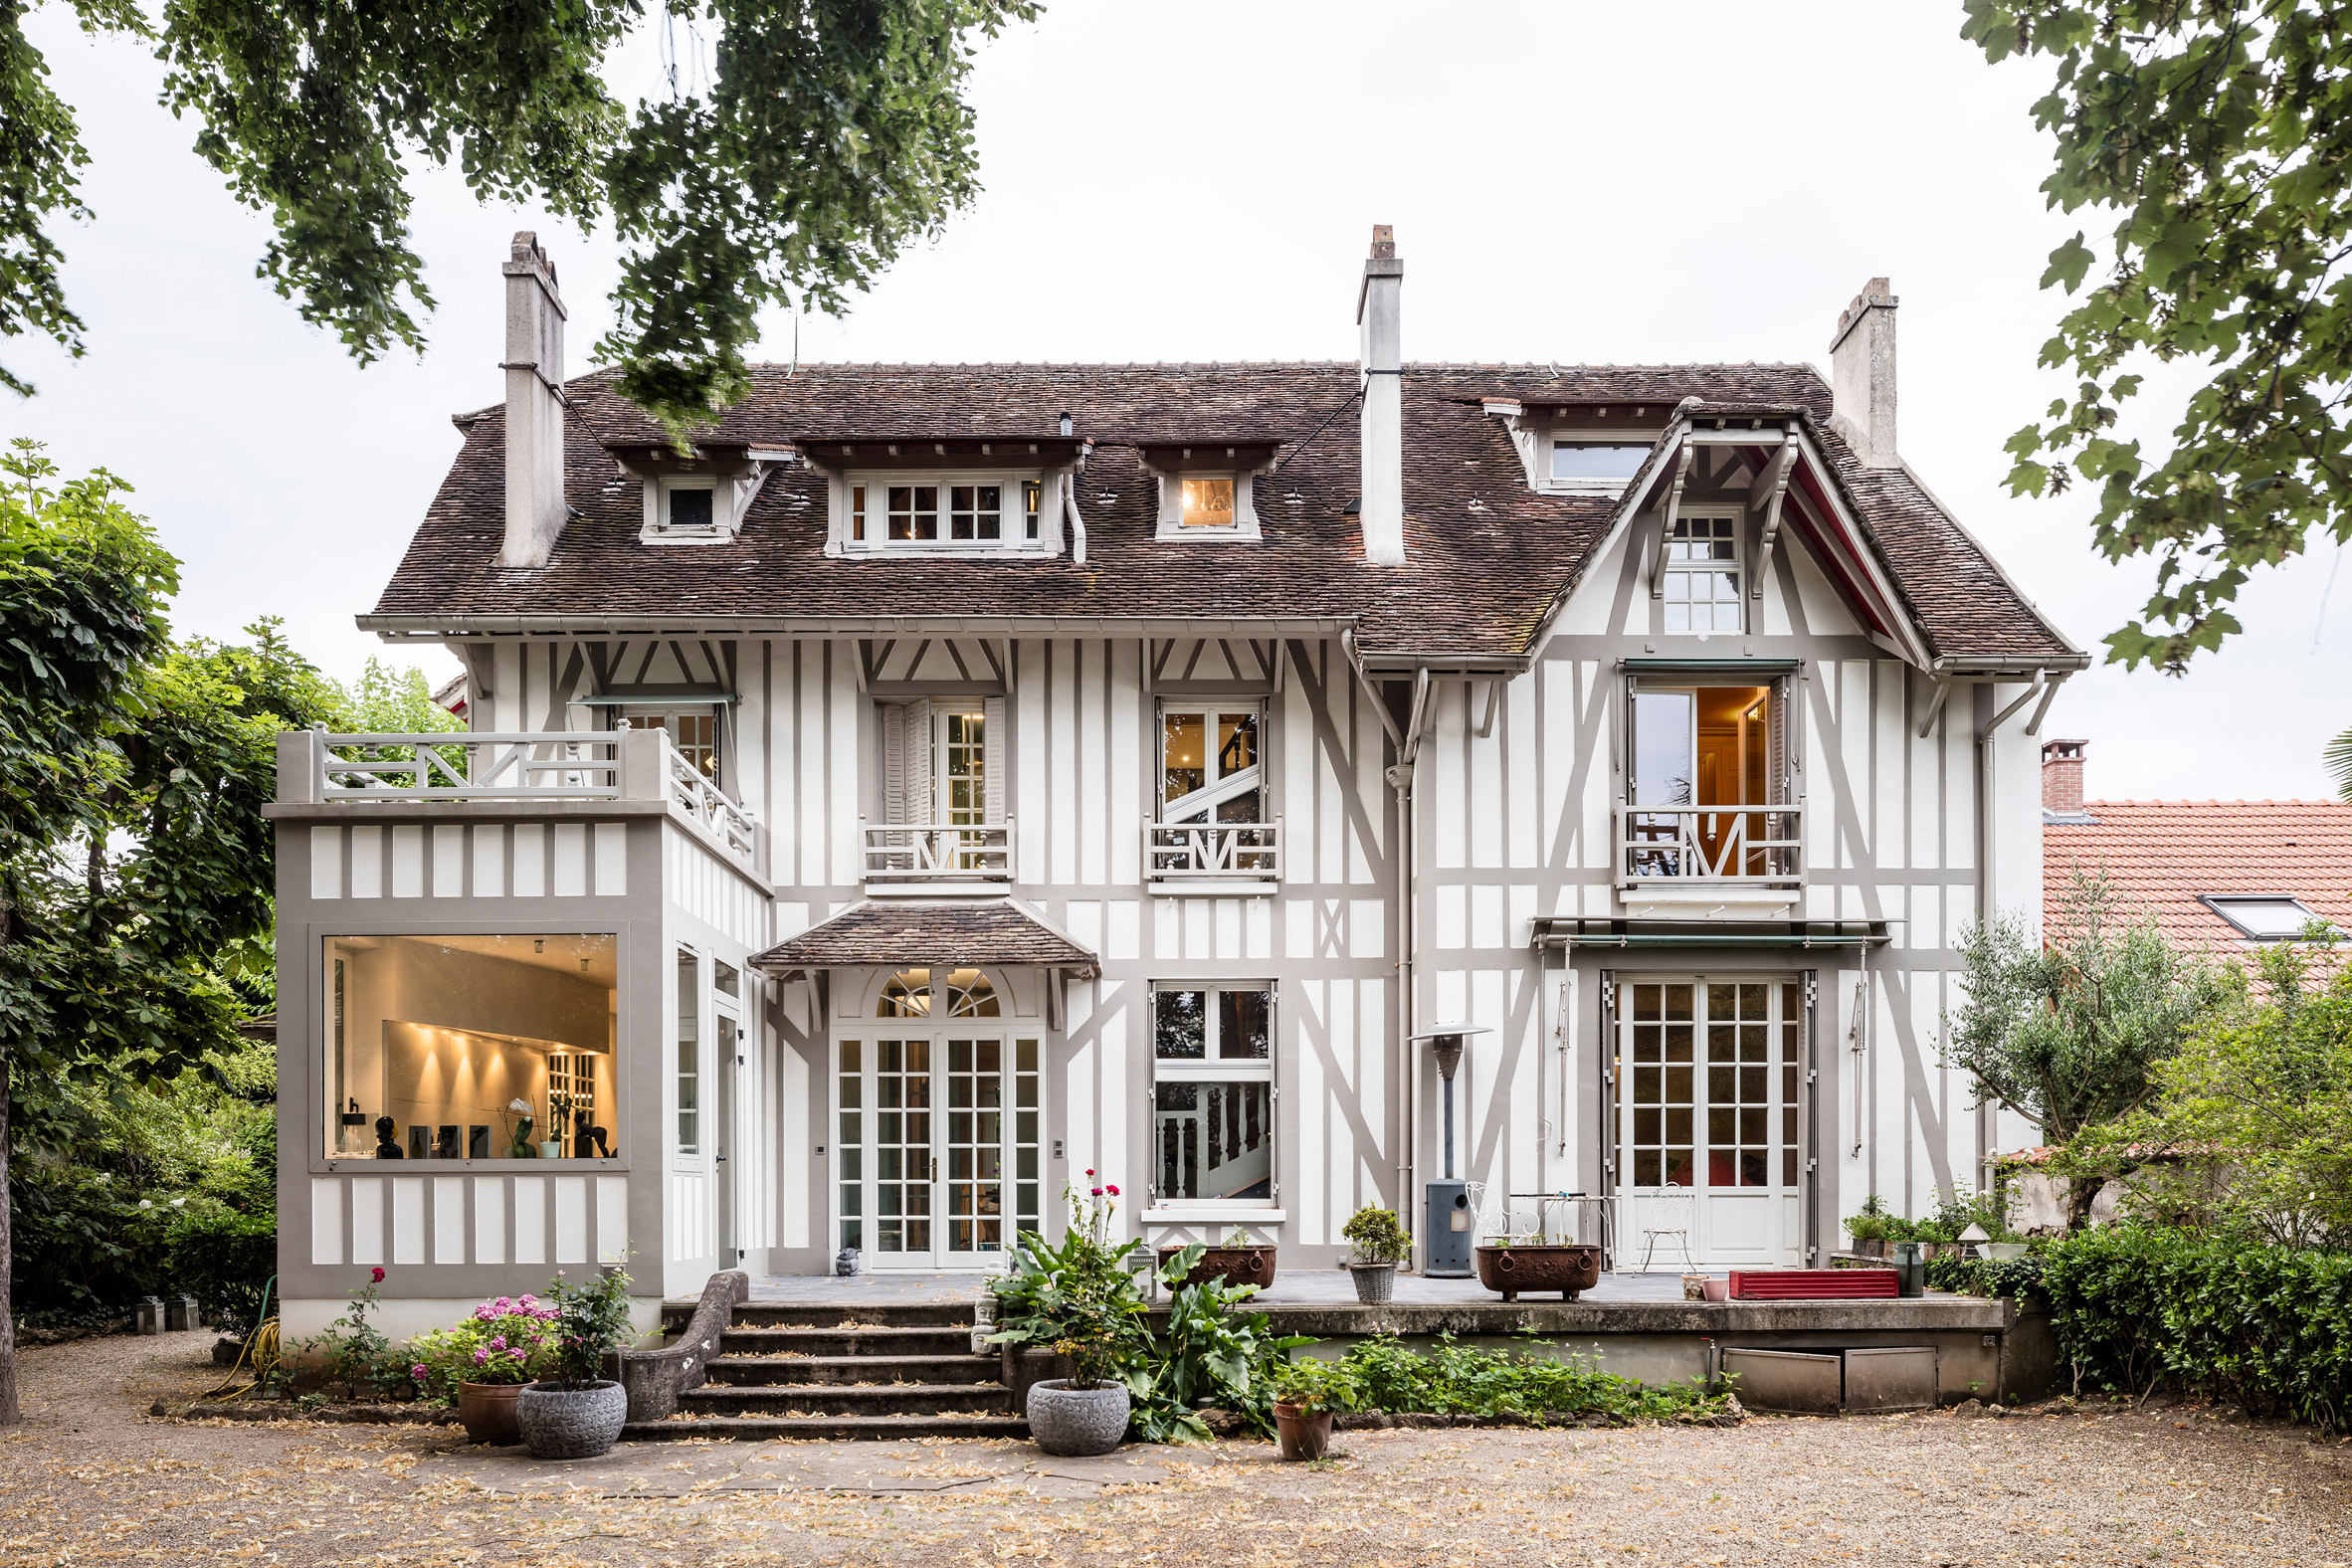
<point>947,932</point>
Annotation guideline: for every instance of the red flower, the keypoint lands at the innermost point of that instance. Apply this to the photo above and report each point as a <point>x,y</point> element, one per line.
<point>1097,1191</point>
<point>376,1277</point>
<point>1115,1192</point>
<point>1089,1170</point>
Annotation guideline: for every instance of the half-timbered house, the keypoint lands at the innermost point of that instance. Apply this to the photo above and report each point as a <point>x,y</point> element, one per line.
<point>942,781</point>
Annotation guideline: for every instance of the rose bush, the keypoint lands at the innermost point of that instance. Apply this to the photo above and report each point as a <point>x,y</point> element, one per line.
<point>503,1340</point>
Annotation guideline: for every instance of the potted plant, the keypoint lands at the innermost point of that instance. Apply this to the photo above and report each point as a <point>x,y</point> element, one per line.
<point>1869,1229</point>
<point>1086,1301</point>
<point>1306,1394</point>
<point>1235,1260</point>
<point>483,1363</point>
<point>576,1414</point>
<point>1381,1242</point>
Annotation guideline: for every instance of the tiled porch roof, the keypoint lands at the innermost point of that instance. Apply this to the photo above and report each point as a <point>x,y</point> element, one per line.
<point>957,933</point>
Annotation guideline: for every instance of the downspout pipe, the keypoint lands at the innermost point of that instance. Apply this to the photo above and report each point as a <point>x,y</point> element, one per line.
<point>1400,779</point>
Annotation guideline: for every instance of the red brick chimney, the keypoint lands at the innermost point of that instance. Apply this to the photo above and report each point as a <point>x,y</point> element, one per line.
<point>2062,776</point>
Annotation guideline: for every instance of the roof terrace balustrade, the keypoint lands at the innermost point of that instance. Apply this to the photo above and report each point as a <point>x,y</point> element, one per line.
<point>1756,845</point>
<point>365,770</point>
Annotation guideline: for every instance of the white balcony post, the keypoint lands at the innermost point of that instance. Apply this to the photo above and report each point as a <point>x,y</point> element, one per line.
<point>644,770</point>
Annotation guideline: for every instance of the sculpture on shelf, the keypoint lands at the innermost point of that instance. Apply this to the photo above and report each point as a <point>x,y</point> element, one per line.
<point>583,1138</point>
<point>603,1150</point>
<point>386,1149</point>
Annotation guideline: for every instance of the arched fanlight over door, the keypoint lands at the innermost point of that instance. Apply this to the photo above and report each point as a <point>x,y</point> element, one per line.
<point>906,993</point>
<point>969,995</point>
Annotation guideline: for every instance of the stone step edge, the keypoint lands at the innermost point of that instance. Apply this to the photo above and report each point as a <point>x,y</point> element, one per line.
<point>880,1428</point>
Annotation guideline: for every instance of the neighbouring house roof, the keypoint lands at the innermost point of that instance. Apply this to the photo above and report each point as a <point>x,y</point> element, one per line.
<point>1485,556</point>
<point>957,933</point>
<point>2165,856</point>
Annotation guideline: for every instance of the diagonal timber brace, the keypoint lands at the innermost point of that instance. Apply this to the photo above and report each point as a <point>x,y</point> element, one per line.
<point>1666,517</point>
<point>1766,494</point>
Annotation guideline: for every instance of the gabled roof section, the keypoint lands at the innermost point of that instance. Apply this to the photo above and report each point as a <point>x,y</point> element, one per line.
<point>1487,559</point>
<point>951,933</point>
<point>2163,857</point>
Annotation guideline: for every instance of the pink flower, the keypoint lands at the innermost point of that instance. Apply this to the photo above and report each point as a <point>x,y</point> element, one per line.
<point>376,1278</point>
<point>416,1371</point>
<point>498,1343</point>
<point>480,1356</point>
<point>1096,1191</point>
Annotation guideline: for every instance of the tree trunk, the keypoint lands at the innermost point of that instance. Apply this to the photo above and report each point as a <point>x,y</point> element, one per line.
<point>2081,1192</point>
<point>9,1415</point>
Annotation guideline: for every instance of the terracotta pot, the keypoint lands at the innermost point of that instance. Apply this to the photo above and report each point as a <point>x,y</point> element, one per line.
<point>1302,1436</point>
<point>1233,1264</point>
<point>488,1410</point>
<point>1569,1270</point>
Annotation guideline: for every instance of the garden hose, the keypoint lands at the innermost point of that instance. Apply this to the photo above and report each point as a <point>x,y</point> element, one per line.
<point>258,1353</point>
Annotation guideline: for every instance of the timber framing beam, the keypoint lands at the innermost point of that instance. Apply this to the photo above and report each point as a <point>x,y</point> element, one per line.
<point>1665,518</point>
<point>1766,494</point>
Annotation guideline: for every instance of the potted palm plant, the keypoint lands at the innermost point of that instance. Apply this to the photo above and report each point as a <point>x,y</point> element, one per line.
<point>1381,1242</point>
<point>1308,1393</point>
<point>577,1413</point>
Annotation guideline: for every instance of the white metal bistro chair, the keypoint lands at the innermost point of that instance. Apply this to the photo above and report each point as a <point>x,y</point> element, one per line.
<point>1663,1213</point>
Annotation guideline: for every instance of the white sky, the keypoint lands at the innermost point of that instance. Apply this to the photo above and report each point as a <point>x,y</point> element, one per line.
<point>1570,182</point>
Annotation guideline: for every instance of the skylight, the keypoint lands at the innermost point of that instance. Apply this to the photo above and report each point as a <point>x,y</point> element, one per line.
<point>2262,917</point>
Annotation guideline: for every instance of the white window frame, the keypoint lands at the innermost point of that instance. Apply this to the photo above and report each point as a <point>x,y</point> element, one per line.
<point>1211,1068</point>
<point>1200,805</point>
<point>2223,903</point>
<point>730,498</point>
<point>1669,569</point>
<point>1012,512</point>
<point>682,1155</point>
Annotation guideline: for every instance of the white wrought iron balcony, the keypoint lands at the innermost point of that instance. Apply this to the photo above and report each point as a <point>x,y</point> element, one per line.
<point>548,765</point>
<point>1213,851</point>
<point>1762,845</point>
<point>939,852</point>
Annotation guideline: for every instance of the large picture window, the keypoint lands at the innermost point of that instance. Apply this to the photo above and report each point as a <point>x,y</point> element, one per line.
<point>1697,750</point>
<point>471,1048</point>
<point>1212,1092</point>
<point>1209,765</point>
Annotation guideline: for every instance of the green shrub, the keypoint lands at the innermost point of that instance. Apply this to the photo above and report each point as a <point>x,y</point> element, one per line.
<point>1315,1385</point>
<point>2268,1328</point>
<point>1465,1380</point>
<point>225,1259</point>
<point>1378,1235</point>
<point>1983,1276</point>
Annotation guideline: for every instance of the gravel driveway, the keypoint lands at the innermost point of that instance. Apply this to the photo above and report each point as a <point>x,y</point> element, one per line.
<point>91,1477</point>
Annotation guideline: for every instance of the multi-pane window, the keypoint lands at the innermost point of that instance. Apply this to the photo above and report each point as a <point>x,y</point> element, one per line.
<point>1732,1124</point>
<point>1696,749</point>
<point>1206,504</point>
<point>1702,577</point>
<point>914,511</point>
<point>1033,495</point>
<point>905,1163</point>
<point>688,508</point>
<point>689,1054</point>
<point>1212,1092</point>
<point>850,1166</point>
<point>963,767</point>
<point>692,730</point>
<point>944,508</point>
<point>1209,765</point>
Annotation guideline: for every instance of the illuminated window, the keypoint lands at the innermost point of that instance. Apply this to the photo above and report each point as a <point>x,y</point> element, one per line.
<point>1208,503</point>
<point>942,510</point>
<point>469,1047</point>
<point>1033,494</point>
<point>692,730</point>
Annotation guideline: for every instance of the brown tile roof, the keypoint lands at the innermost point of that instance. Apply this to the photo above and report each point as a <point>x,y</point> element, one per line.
<point>1486,555</point>
<point>2161,854</point>
<point>949,932</point>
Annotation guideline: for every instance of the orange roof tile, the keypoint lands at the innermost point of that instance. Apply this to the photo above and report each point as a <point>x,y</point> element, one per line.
<point>2161,856</point>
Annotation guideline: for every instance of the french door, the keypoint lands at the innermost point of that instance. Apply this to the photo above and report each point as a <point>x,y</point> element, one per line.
<point>936,1163</point>
<point>1708,1105</point>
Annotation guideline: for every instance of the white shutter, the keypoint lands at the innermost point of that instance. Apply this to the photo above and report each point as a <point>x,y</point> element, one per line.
<point>893,749</point>
<point>912,802</point>
<point>992,759</point>
<point>1776,743</point>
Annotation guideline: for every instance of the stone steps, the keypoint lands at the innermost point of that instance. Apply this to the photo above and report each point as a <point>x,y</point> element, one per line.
<point>889,1371</point>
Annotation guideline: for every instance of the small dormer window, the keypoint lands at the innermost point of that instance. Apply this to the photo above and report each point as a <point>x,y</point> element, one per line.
<point>1032,497</point>
<point>688,508</point>
<point>941,511</point>
<point>1208,502</point>
<point>1588,461</point>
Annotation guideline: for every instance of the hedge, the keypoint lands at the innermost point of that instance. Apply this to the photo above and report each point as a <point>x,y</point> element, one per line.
<point>2268,1328</point>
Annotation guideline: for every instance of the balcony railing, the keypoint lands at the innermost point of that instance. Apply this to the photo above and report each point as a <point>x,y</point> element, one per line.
<point>625,764</point>
<point>939,852</point>
<point>1213,850</point>
<point>1720,844</point>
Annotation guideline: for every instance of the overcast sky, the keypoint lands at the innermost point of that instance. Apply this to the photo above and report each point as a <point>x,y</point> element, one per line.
<point>1569,182</point>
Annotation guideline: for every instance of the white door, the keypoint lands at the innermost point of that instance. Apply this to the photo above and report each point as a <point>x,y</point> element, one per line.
<point>1708,1085</point>
<point>936,1164</point>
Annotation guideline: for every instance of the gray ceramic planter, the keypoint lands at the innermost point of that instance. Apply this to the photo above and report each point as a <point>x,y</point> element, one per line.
<point>1071,1421</point>
<point>570,1424</point>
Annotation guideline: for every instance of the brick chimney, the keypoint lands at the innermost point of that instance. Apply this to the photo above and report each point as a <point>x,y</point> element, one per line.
<point>534,406</point>
<point>1862,375</point>
<point>2061,777</point>
<point>1380,366</point>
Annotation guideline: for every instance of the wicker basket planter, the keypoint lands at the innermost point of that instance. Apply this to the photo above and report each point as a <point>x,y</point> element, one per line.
<point>1376,1283</point>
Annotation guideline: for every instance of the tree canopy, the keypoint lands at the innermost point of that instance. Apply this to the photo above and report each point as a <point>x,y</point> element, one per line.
<point>134,860</point>
<point>820,138</point>
<point>2218,133</point>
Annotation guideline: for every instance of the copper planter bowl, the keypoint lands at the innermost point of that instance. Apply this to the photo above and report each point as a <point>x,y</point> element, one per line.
<point>1569,1270</point>
<point>1233,1264</point>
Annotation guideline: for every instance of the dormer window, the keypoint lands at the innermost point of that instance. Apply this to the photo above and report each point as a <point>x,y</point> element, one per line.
<point>1208,503</point>
<point>1612,460</point>
<point>686,507</point>
<point>941,511</point>
<point>973,499</point>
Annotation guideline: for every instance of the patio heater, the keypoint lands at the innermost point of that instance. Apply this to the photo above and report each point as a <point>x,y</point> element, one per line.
<point>1450,1222</point>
